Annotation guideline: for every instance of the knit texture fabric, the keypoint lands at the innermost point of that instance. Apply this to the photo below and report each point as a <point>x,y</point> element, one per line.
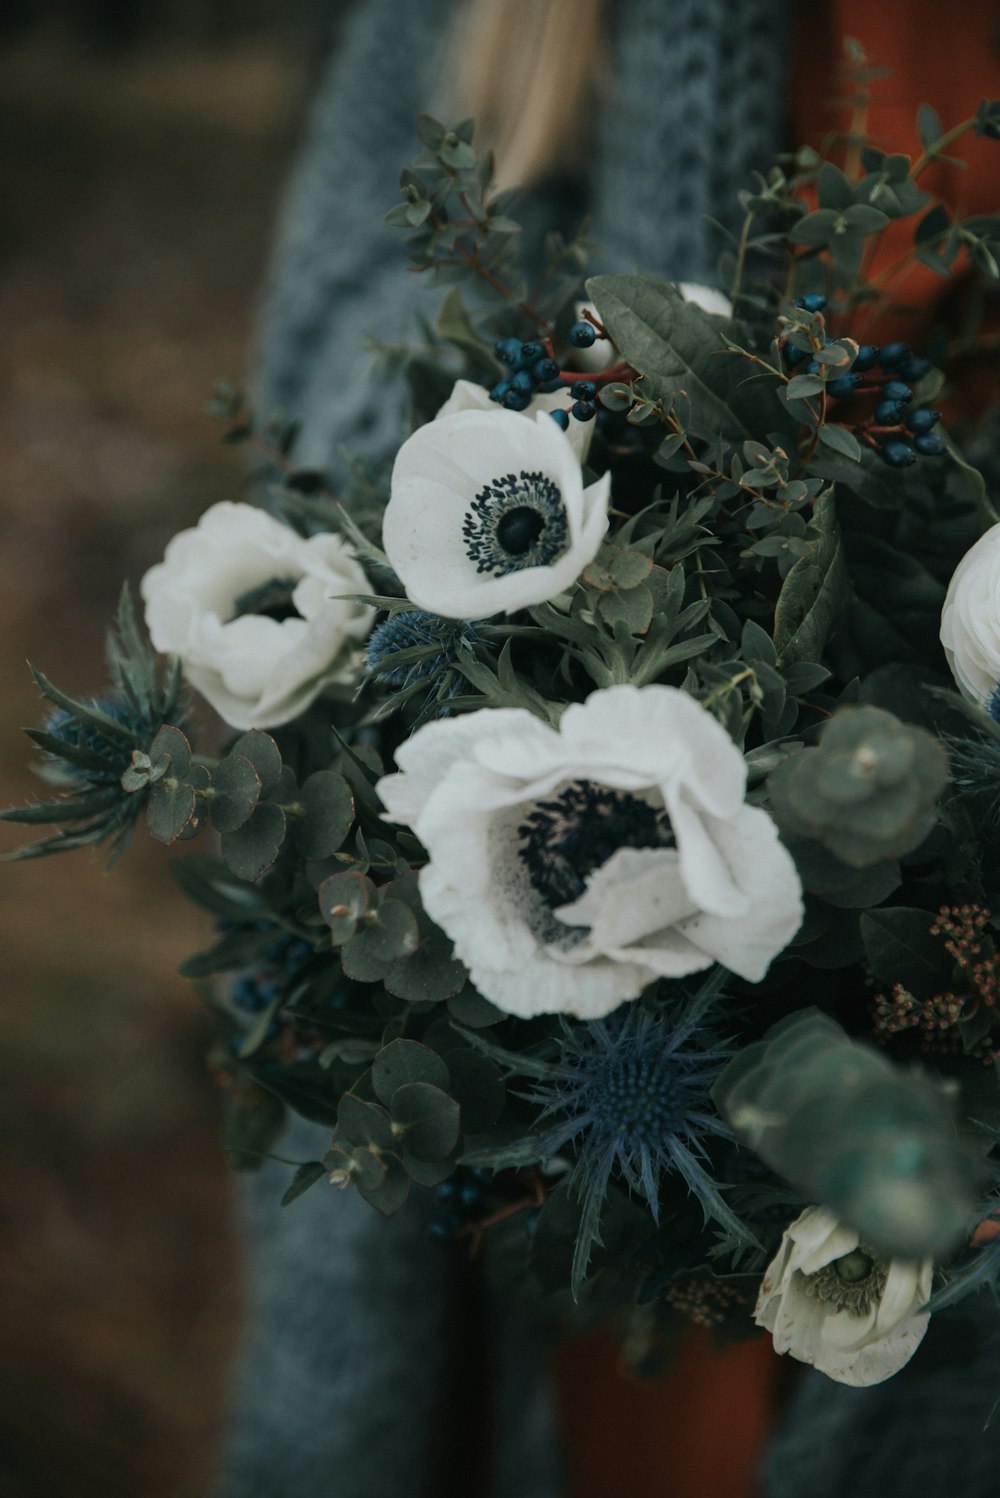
<point>695,104</point>
<point>920,1432</point>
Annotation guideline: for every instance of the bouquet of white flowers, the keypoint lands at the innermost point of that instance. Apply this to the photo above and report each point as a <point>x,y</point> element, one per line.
<point>600,841</point>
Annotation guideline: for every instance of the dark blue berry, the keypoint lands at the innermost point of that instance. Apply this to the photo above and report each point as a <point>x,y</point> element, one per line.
<point>913,369</point>
<point>499,391</point>
<point>893,354</point>
<point>898,454</point>
<point>584,410</point>
<point>583,335</point>
<point>508,350</point>
<point>550,385</point>
<point>843,386</point>
<point>531,351</point>
<point>812,367</point>
<point>522,381</point>
<point>867,357</point>
<point>794,355</point>
<point>922,419</point>
<point>447,1189</point>
<point>516,400</point>
<point>561,419</point>
<point>438,1230</point>
<point>888,413</point>
<point>895,390</point>
<point>931,444</point>
<point>585,390</point>
<point>813,301</point>
<point>471,1194</point>
<point>544,369</point>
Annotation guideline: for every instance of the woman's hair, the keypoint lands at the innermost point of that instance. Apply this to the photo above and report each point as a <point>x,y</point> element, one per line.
<point>528,72</point>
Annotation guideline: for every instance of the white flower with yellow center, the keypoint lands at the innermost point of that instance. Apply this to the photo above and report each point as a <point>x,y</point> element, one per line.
<point>262,619</point>
<point>835,1303</point>
<point>573,867</point>
<point>488,513</point>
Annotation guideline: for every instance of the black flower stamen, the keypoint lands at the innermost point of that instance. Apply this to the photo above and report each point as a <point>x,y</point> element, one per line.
<point>269,600</point>
<point>516,521</point>
<point>565,840</point>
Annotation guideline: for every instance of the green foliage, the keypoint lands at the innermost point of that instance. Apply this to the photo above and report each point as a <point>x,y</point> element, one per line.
<point>866,793</point>
<point>852,1132</point>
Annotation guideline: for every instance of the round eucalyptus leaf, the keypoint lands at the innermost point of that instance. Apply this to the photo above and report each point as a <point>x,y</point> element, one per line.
<point>363,957</point>
<point>390,1195</point>
<point>363,1123</point>
<point>396,929</point>
<point>427,1172</point>
<point>250,852</point>
<point>169,810</point>
<point>170,741</point>
<point>368,1169</point>
<point>429,1120</point>
<point>263,753</point>
<point>404,1061</point>
<point>237,788</point>
<point>343,901</point>
<point>327,813</point>
<point>430,973</point>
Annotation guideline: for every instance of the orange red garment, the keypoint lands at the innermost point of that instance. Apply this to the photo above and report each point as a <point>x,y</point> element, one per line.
<point>699,1432</point>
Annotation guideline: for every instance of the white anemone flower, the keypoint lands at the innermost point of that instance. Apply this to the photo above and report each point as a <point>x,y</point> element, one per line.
<point>970,620</point>
<point>466,396</point>
<point>488,513</point>
<point>573,867</point>
<point>835,1303</point>
<point>262,620</point>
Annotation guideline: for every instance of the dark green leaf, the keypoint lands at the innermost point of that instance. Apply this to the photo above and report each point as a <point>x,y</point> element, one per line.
<point>404,1061</point>
<point>428,1119</point>
<point>251,851</point>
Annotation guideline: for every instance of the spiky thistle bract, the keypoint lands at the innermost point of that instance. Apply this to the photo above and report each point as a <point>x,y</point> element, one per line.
<point>626,1097</point>
<point>88,744</point>
<point>412,650</point>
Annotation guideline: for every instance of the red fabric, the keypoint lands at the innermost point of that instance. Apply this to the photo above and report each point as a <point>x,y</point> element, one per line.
<point>699,1431</point>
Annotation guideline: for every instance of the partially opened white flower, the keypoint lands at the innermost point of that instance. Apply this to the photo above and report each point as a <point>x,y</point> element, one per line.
<point>833,1302</point>
<point>469,397</point>
<point>488,513</point>
<point>970,620</point>
<point>572,867</point>
<point>260,618</point>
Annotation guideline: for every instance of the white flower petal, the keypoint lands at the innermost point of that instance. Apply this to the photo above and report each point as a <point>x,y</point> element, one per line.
<point>970,619</point>
<point>256,671</point>
<point>469,787</point>
<point>468,397</point>
<point>858,1349</point>
<point>441,470</point>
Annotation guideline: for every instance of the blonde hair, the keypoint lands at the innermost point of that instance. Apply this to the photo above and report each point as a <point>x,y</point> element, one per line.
<point>528,72</point>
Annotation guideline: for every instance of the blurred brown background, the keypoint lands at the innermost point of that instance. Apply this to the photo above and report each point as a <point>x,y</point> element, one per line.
<point>142,151</point>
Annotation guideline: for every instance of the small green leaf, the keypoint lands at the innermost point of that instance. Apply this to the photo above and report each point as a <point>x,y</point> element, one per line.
<point>364,1123</point>
<point>405,1061</point>
<point>343,901</point>
<point>263,753</point>
<point>391,1192</point>
<point>170,810</point>
<point>307,1175</point>
<point>251,851</point>
<point>841,440</point>
<point>327,814</point>
<point>237,789</point>
<point>170,741</point>
<point>427,1118</point>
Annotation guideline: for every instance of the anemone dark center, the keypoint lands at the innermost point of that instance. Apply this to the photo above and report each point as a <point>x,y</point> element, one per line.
<point>515,521</point>
<point>270,600</point>
<point>565,840</point>
<point>519,529</point>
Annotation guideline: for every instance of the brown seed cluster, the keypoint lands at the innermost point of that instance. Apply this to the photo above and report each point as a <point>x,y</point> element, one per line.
<point>977,980</point>
<point>704,1301</point>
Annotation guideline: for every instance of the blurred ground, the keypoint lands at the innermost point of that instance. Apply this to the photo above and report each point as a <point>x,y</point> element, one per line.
<point>139,189</point>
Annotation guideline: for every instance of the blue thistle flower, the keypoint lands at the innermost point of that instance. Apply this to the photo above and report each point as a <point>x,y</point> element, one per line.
<point>88,744</point>
<point>414,649</point>
<point>975,766</point>
<point>629,1095</point>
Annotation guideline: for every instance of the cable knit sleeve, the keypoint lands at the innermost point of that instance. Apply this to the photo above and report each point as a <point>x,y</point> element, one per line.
<point>339,275</point>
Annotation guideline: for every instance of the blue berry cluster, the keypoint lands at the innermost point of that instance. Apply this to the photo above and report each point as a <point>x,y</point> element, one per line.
<point>533,371</point>
<point>902,435</point>
<point>462,1198</point>
<point>258,986</point>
